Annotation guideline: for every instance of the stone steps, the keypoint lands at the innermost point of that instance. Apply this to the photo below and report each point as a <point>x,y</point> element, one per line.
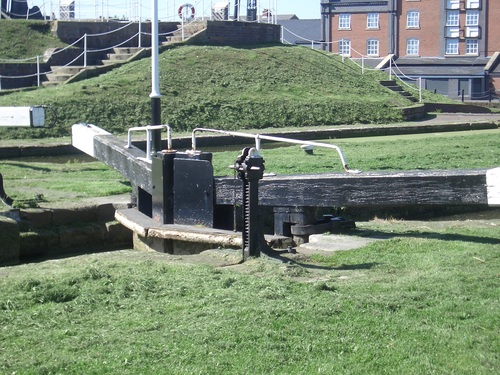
<point>189,30</point>
<point>393,86</point>
<point>120,55</point>
<point>60,74</point>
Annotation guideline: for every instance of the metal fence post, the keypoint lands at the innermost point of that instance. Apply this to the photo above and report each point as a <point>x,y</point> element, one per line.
<point>38,70</point>
<point>420,88</point>
<point>85,50</point>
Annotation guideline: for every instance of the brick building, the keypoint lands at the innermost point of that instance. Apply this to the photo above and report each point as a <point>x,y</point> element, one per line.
<point>451,44</point>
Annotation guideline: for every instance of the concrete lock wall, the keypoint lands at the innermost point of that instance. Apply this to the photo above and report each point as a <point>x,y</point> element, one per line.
<point>32,233</point>
<point>10,241</point>
<point>70,31</point>
<point>238,33</point>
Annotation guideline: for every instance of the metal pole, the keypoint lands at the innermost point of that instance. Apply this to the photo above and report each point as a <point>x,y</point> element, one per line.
<point>155,79</point>
<point>390,69</point>
<point>140,24</point>
<point>38,70</point>
<point>182,24</point>
<point>420,88</point>
<point>85,50</point>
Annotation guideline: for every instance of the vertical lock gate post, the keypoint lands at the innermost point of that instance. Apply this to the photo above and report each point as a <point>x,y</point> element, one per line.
<point>250,168</point>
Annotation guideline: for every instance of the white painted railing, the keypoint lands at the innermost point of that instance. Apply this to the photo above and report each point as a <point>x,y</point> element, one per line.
<point>258,137</point>
<point>148,129</point>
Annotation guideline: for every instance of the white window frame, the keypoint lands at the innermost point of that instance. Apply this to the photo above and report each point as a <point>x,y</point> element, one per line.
<point>453,18</point>
<point>453,32</point>
<point>472,47</point>
<point>372,47</point>
<point>413,19</point>
<point>472,32</point>
<point>345,47</point>
<point>473,4</point>
<point>412,47</point>
<point>452,4</point>
<point>372,21</point>
<point>452,46</point>
<point>472,18</point>
<point>344,21</point>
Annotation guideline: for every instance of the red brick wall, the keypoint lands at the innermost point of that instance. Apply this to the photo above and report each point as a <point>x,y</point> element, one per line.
<point>493,30</point>
<point>359,34</point>
<point>429,31</point>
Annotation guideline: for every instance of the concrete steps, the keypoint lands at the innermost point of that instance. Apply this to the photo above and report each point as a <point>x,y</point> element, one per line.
<point>60,74</point>
<point>189,30</point>
<point>393,86</point>
<point>120,55</point>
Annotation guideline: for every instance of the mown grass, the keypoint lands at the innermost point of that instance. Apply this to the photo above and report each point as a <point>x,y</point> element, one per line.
<point>223,87</point>
<point>423,302</point>
<point>22,39</point>
<point>461,150</point>
<point>25,179</point>
<point>31,182</point>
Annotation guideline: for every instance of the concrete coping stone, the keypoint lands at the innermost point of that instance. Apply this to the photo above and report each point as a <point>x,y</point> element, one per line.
<point>145,227</point>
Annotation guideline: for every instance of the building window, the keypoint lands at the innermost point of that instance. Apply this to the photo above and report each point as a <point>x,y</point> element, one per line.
<point>452,4</point>
<point>452,18</point>
<point>473,4</point>
<point>344,47</point>
<point>372,47</point>
<point>472,47</point>
<point>412,19</point>
<point>472,32</point>
<point>372,21</point>
<point>344,21</point>
<point>412,47</point>
<point>452,32</point>
<point>472,18</point>
<point>452,46</point>
<point>471,24</point>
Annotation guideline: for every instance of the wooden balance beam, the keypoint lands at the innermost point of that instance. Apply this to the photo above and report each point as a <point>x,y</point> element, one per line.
<point>372,189</point>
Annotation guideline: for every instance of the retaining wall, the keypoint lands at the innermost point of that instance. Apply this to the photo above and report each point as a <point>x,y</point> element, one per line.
<point>111,33</point>
<point>29,234</point>
<point>238,33</point>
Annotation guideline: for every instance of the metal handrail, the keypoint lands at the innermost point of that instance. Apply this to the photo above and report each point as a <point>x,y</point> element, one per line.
<point>258,137</point>
<point>148,130</point>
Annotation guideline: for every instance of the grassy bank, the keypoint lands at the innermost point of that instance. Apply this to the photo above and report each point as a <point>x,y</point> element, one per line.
<point>425,301</point>
<point>223,87</point>
<point>23,39</point>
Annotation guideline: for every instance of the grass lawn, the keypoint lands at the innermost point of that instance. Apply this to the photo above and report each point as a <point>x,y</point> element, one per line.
<point>423,302</point>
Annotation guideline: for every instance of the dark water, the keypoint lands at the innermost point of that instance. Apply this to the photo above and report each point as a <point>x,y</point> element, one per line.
<point>57,159</point>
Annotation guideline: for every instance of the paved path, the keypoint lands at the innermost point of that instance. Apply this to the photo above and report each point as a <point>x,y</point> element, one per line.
<point>452,118</point>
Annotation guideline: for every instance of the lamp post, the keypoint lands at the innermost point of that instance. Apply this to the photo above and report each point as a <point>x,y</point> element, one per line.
<point>155,80</point>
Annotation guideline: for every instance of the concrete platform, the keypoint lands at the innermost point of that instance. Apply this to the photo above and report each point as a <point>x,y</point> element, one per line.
<point>183,239</point>
<point>327,244</point>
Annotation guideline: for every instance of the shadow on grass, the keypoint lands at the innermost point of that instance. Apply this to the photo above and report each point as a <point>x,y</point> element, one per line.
<point>26,166</point>
<point>298,262</point>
